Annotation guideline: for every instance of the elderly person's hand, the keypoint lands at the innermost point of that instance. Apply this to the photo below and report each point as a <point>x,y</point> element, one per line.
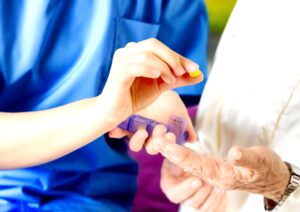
<point>189,190</point>
<point>256,169</point>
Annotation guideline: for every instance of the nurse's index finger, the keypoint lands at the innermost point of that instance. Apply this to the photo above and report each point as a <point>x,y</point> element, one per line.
<point>176,62</point>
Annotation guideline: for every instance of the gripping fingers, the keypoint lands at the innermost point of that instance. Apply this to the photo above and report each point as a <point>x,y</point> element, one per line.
<point>191,67</point>
<point>118,133</point>
<point>166,54</point>
<point>148,58</point>
<point>178,64</point>
<point>160,142</point>
<point>139,70</point>
<point>158,131</point>
<point>137,140</point>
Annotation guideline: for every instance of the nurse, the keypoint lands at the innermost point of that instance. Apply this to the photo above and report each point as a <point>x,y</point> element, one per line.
<point>55,60</point>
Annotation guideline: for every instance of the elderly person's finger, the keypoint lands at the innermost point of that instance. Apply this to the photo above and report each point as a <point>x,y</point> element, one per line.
<point>200,197</point>
<point>192,162</point>
<point>213,170</point>
<point>176,185</point>
<point>159,143</point>
<point>158,131</point>
<point>256,169</point>
<point>216,202</point>
<point>138,140</point>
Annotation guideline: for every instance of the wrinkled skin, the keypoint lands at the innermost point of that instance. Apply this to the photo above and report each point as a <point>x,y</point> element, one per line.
<point>184,188</point>
<point>256,169</point>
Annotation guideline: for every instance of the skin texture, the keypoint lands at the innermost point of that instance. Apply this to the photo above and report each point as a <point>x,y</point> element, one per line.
<point>256,169</point>
<point>179,186</point>
<point>151,68</point>
<point>167,104</point>
<point>183,188</point>
<point>140,73</point>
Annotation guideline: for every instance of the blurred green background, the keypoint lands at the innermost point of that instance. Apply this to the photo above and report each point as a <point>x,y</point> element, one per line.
<point>219,12</point>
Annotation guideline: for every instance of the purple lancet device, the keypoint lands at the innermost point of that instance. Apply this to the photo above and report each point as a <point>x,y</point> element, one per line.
<point>175,125</point>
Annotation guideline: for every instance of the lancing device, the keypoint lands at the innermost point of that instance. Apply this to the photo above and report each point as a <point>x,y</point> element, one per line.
<point>176,125</point>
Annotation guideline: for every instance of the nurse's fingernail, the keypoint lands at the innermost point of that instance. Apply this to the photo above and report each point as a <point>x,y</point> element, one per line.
<point>180,70</point>
<point>155,73</point>
<point>172,79</point>
<point>196,183</point>
<point>192,67</point>
<point>169,79</point>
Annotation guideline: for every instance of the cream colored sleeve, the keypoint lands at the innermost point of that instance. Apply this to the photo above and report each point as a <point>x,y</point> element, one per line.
<point>252,96</point>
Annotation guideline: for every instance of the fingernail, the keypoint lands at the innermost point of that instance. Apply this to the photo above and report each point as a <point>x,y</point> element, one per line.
<point>172,79</point>
<point>237,155</point>
<point>156,73</point>
<point>169,79</point>
<point>180,70</point>
<point>196,183</point>
<point>192,67</point>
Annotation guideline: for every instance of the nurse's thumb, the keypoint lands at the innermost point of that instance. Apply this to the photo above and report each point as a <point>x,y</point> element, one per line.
<point>118,133</point>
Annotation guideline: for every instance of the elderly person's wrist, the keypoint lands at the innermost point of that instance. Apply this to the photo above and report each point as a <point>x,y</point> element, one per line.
<point>279,188</point>
<point>292,185</point>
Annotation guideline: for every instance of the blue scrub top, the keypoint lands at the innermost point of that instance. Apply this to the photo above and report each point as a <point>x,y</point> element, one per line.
<point>56,52</point>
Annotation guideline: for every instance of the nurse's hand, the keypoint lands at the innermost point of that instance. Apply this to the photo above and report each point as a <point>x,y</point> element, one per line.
<point>190,191</point>
<point>256,169</point>
<point>167,104</point>
<point>140,73</point>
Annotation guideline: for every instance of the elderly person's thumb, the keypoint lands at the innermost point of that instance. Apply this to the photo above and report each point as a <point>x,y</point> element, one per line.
<point>245,157</point>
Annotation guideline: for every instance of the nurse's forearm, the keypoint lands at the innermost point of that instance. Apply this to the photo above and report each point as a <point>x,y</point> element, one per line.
<point>32,138</point>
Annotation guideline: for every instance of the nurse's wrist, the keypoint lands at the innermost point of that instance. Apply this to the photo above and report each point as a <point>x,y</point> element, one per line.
<point>109,112</point>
